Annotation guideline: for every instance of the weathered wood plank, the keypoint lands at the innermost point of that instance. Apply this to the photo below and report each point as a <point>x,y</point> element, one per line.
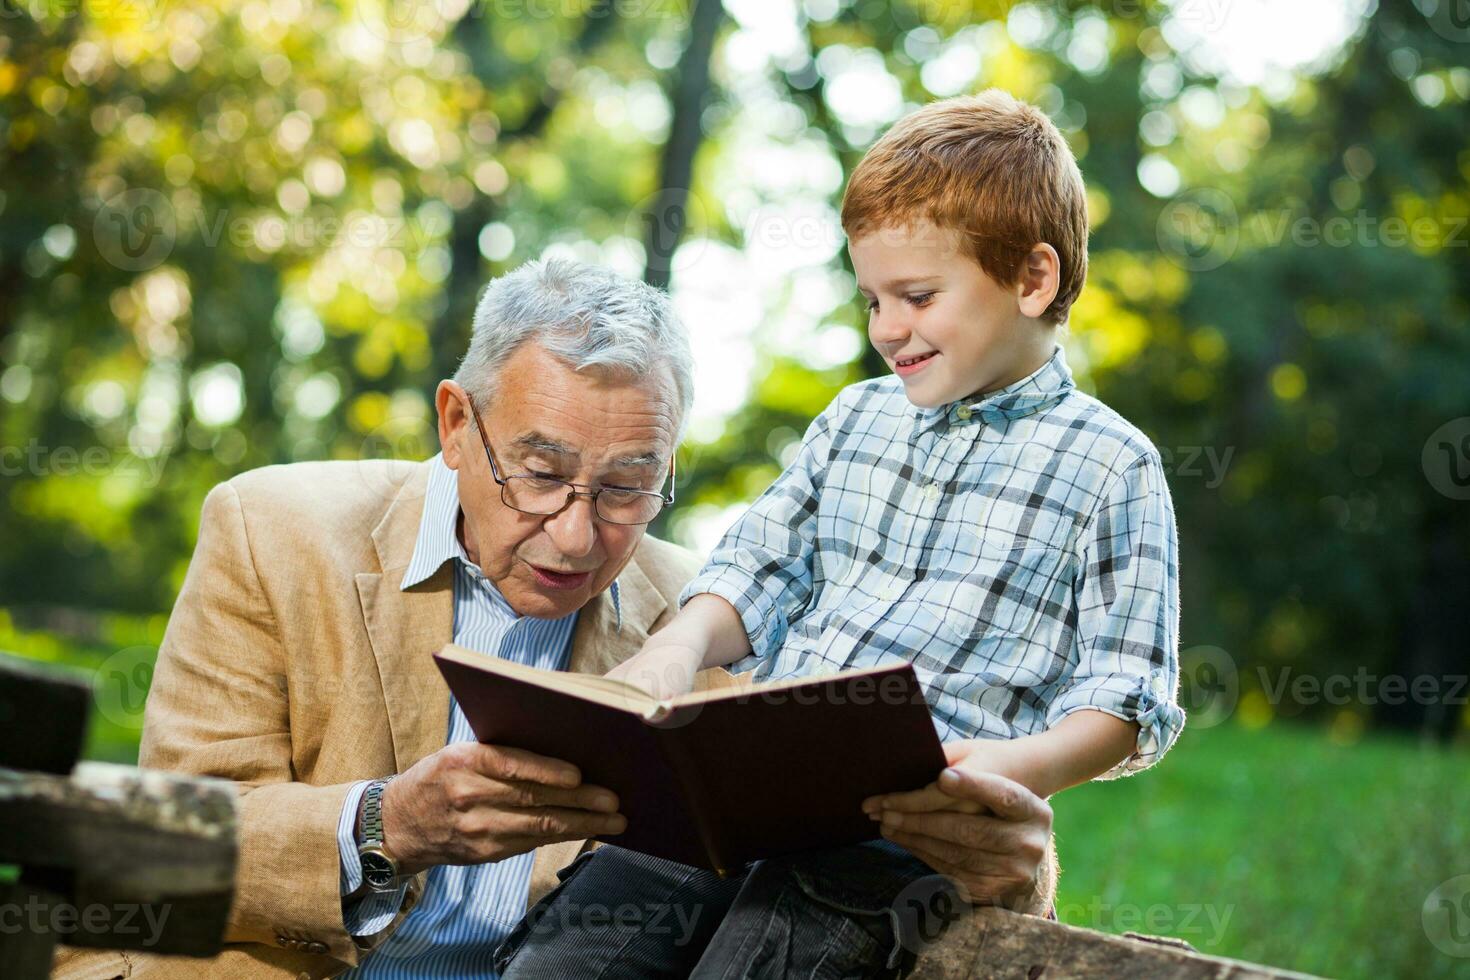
<point>995,944</point>
<point>141,859</point>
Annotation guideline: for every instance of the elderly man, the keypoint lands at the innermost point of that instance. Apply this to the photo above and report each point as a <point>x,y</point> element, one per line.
<point>298,663</point>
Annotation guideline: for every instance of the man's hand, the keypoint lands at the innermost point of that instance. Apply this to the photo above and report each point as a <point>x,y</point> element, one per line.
<point>987,832</point>
<point>663,668</point>
<point>470,803</point>
<point>1010,758</point>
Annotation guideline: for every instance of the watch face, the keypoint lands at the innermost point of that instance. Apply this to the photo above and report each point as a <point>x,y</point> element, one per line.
<point>377,870</point>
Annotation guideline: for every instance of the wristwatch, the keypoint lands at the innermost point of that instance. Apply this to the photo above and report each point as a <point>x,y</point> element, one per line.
<point>379,866</point>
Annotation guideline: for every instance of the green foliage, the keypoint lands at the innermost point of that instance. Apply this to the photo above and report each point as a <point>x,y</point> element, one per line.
<point>233,236</point>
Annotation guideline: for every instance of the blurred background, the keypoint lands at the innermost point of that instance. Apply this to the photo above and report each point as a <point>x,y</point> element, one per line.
<point>252,231</point>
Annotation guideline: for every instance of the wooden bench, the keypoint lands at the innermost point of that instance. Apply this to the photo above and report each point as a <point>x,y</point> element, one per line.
<point>994,944</point>
<point>109,856</point>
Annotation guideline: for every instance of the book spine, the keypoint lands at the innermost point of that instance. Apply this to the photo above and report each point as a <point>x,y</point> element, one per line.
<point>701,811</point>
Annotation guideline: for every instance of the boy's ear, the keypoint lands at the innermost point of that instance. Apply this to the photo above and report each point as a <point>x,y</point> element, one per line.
<point>1041,277</point>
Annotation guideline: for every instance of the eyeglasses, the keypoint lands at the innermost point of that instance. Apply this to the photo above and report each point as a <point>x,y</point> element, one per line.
<point>544,495</point>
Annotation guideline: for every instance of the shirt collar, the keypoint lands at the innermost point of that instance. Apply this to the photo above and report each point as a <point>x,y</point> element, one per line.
<point>438,540</point>
<point>1044,387</point>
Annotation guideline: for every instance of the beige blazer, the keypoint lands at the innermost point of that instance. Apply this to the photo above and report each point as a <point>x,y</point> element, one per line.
<point>294,665</point>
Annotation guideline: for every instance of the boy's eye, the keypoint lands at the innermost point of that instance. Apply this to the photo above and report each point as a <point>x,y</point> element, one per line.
<point>919,300</point>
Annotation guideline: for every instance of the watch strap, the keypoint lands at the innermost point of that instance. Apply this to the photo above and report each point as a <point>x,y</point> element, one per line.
<point>372,811</point>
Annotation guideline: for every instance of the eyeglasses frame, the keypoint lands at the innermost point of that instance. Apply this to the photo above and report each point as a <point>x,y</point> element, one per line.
<point>573,489</point>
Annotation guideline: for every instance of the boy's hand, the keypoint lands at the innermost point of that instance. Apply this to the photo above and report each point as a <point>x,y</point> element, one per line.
<point>707,632</point>
<point>663,669</point>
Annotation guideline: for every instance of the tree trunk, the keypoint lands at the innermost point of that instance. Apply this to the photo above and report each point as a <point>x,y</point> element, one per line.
<point>667,216</point>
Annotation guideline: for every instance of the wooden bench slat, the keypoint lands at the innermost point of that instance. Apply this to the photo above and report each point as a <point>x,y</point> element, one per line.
<point>997,944</point>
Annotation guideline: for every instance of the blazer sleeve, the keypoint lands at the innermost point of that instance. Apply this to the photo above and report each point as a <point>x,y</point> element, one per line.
<point>218,707</point>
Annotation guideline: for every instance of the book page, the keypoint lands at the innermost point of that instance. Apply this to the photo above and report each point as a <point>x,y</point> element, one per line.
<point>733,691</point>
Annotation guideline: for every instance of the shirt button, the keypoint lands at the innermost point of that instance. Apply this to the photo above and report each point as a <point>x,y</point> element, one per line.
<point>964,413</point>
<point>1159,686</point>
<point>931,492</point>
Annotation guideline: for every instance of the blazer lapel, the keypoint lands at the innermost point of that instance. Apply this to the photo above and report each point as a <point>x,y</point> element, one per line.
<point>407,628</point>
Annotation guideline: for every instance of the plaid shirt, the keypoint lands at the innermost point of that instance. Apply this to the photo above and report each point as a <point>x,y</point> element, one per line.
<point>1019,551</point>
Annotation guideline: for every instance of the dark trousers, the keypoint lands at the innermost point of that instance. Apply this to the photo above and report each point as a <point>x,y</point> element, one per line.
<point>860,911</point>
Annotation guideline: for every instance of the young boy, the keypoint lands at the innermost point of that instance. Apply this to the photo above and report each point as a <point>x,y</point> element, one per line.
<point>974,514</point>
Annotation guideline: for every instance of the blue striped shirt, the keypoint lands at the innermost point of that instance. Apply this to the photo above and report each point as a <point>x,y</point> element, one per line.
<point>466,910</point>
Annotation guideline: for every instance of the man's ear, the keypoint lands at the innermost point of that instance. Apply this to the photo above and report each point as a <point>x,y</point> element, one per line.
<point>1041,277</point>
<point>454,421</point>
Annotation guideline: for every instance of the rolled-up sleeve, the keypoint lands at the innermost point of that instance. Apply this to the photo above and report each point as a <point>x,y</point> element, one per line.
<point>1127,599</point>
<point>763,564</point>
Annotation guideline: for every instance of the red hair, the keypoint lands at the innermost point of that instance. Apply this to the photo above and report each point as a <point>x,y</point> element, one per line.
<point>988,166</point>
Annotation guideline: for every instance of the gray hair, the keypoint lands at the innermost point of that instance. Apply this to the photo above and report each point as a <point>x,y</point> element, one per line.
<point>590,318</point>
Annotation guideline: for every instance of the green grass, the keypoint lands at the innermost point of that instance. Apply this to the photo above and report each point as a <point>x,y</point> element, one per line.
<point>1282,846</point>
<point>1309,855</point>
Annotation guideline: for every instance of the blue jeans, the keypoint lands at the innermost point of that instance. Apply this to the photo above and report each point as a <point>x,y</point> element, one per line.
<point>859,911</point>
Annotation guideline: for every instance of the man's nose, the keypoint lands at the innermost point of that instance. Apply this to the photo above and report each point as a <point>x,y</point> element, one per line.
<point>574,529</point>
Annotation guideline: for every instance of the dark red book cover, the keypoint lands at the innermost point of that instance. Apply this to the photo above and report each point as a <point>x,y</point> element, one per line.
<point>719,778</point>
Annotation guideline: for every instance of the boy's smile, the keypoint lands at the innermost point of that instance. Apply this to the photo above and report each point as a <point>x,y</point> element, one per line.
<point>906,366</point>
<point>943,326</point>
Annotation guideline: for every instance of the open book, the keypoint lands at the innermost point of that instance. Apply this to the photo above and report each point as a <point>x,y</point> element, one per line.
<point>720,777</point>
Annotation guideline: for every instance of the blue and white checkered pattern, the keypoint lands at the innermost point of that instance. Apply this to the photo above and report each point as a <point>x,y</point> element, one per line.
<point>1019,550</point>
<point>466,910</point>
